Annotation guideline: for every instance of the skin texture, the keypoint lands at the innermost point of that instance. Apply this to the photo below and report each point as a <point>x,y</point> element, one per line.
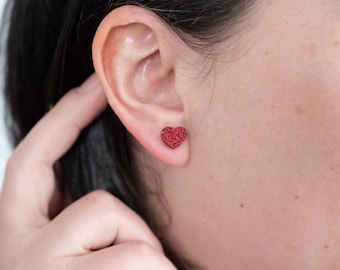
<point>95,232</point>
<point>256,185</point>
<point>261,190</point>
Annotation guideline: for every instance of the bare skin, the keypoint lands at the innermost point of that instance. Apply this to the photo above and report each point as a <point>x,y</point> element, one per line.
<point>255,185</point>
<point>262,187</point>
<point>31,239</point>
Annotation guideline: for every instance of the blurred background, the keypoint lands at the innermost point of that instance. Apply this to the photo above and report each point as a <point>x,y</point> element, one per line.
<point>4,144</point>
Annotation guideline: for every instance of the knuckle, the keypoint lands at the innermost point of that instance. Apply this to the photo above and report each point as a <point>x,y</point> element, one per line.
<point>148,258</point>
<point>103,199</point>
<point>141,250</point>
<point>16,164</point>
<point>99,197</point>
<point>12,165</point>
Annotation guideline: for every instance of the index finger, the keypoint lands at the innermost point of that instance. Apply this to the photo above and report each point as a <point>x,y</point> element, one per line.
<point>29,182</point>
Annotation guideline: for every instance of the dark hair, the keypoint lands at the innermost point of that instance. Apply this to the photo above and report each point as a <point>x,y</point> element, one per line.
<point>49,52</point>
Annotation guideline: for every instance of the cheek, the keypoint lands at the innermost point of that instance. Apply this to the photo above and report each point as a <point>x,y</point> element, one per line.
<point>264,174</point>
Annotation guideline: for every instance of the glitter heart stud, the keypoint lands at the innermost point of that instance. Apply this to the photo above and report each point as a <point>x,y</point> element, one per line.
<point>174,137</point>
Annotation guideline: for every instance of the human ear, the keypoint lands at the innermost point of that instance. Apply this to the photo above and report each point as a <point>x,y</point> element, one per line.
<point>135,56</point>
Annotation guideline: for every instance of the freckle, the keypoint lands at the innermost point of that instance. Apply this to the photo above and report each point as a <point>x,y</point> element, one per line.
<point>312,48</point>
<point>273,109</point>
<point>299,110</point>
<point>326,246</point>
<point>266,52</point>
<point>332,168</point>
<point>297,197</point>
<point>337,43</point>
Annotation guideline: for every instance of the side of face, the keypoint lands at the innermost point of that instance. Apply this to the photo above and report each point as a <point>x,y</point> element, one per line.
<point>262,187</point>
<point>257,183</point>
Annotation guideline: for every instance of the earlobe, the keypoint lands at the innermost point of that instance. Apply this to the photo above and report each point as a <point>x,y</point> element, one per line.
<point>132,59</point>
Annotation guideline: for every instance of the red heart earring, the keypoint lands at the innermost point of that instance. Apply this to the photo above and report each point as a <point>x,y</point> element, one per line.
<point>174,137</point>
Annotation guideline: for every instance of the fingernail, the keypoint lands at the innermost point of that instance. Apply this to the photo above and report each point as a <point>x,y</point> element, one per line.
<point>91,83</point>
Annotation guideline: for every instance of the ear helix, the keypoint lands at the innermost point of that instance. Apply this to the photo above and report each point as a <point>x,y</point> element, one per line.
<point>174,137</point>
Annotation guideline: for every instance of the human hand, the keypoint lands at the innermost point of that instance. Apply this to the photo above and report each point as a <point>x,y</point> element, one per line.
<point>95,232</point>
